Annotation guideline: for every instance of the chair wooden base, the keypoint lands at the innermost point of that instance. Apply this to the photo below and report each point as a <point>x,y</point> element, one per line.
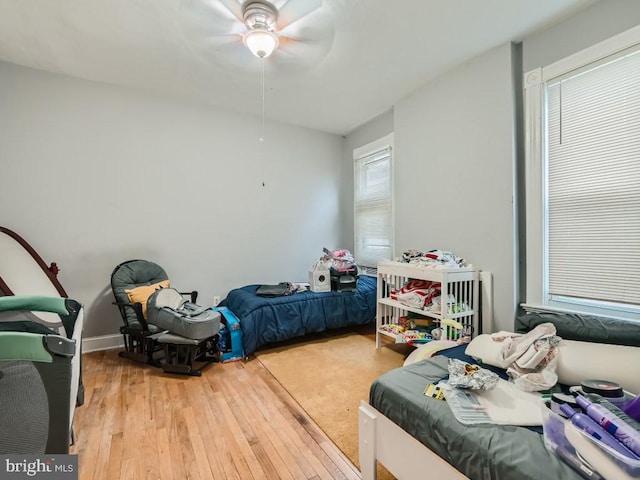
<point>179,358</point>
<point>190,359</point>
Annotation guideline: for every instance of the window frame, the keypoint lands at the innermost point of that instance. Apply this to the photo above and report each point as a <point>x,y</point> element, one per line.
<point>535,174</point>
<point>384,143</point>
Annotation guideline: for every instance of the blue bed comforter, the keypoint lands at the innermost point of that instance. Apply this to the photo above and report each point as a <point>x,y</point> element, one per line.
<point>265,320</point>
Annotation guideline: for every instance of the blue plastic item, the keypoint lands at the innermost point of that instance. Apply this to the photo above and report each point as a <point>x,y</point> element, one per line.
<point>230,336</point>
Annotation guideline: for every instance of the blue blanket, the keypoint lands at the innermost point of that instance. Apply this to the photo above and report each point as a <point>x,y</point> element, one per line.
<point>265,320</point>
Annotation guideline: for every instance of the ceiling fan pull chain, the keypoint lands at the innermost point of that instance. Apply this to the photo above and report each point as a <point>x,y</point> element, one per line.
<point>262,136</point>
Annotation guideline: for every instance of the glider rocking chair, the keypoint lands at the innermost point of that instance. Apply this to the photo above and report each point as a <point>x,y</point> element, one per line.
<point>170,330</point>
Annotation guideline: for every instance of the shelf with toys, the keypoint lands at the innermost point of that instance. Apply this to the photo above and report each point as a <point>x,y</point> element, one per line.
<point>410,302</point>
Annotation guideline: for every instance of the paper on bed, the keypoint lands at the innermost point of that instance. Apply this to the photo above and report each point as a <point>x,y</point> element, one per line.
<point>505,404</point>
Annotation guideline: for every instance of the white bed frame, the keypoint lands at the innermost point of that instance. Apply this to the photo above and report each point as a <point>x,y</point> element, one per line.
<point>381,440</point>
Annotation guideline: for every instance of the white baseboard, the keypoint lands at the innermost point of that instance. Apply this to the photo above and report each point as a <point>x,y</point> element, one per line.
<point>105,342</point>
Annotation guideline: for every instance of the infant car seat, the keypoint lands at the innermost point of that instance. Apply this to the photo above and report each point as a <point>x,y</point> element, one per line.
<point>181,342</point>
<point>169,310</point>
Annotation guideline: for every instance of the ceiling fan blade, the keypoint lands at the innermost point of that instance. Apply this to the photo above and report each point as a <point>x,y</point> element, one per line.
<point>309,52</point>
<point>215,41</point>
<point>294,10</point>
<point>233,6</point>
<point>316,27</point>
<point>199,18</point>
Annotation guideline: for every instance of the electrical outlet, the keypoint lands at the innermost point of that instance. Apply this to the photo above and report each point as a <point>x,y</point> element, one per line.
<point>216,301</point>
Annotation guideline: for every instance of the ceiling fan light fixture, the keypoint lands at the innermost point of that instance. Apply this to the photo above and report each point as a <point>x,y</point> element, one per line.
<point>260,42</point>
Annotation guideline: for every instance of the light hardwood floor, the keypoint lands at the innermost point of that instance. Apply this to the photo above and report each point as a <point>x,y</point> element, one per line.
<point>234,422</point>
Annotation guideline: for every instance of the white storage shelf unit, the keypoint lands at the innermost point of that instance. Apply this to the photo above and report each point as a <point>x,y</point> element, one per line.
<point>461,283</point>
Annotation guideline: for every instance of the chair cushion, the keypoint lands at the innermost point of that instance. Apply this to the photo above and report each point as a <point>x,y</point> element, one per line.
<point>141,294</point>
<point>131,274</point>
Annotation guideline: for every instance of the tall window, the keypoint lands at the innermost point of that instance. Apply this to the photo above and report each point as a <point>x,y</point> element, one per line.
<point>373,202</point>
<point>583,211</point>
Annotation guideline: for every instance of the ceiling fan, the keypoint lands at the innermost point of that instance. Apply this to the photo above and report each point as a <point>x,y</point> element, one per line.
<point>295,34</point>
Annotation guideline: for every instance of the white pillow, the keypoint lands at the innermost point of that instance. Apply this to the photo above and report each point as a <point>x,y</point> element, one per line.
<point>427,350</point>
<point>486,350</point>
<point>577,361</point>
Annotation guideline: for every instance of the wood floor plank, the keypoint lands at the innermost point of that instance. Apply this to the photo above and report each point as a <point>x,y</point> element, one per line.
<point>94,437</point>
<point>128,469</point>
<point>252,420</point>
<point>199,449</point>
<point>268,413</point>
<point>232,463</point>
<point>241,463</point>
<point>203,439</point>
<point>241,441</point>
<point>309,432</point>
<point>284,456</point>
<point>236,422</point>
<point>102,459</point>
<point>115,457</point>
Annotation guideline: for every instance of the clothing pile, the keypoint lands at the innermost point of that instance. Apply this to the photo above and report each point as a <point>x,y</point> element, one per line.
<point>416,293</point>
<point>340,259</point>
<point>423,294</point>
<point>280,290</point>
<point>432,258</point>
<point>531,358</point>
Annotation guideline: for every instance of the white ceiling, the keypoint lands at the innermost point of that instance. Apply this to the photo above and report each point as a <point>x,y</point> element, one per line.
<point>355,59</point>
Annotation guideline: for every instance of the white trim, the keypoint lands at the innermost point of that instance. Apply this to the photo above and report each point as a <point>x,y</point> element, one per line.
<point>373,147</point>
<point>104,342</point>
<point>533,176</point>
<point>386,142</point>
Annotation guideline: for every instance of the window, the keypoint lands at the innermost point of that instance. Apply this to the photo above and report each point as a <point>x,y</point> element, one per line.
<point>373,202</point>
<point>583,181</point>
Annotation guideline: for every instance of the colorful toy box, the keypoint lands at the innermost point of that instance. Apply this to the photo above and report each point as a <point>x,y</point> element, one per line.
<point>230,336</point>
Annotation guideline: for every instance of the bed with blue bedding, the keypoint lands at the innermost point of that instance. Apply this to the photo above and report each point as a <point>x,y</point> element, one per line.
<point>265,320</point>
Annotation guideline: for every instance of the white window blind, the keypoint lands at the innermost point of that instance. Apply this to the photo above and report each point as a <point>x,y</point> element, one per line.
<point>373,214</point>
<point>593,184</point>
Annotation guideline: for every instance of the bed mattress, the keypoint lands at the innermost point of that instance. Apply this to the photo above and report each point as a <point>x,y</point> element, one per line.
<point>478,451</point>
<point>267,320</point>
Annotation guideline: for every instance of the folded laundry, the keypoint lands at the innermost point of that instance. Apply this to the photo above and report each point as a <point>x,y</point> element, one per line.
<point>417,294</point>
<point>279,290</point>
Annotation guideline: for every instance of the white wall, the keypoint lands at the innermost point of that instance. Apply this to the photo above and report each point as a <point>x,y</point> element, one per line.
<point>93,175</point>
<point>604,19</point>
<point>454,161</point>
<point>455,170</point>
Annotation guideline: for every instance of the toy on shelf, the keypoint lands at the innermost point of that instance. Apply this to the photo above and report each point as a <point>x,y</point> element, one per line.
<point>393,328</point>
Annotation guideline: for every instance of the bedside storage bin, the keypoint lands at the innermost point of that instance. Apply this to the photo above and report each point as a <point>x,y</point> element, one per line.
<point>230,336</point>
<point>572,444</point>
